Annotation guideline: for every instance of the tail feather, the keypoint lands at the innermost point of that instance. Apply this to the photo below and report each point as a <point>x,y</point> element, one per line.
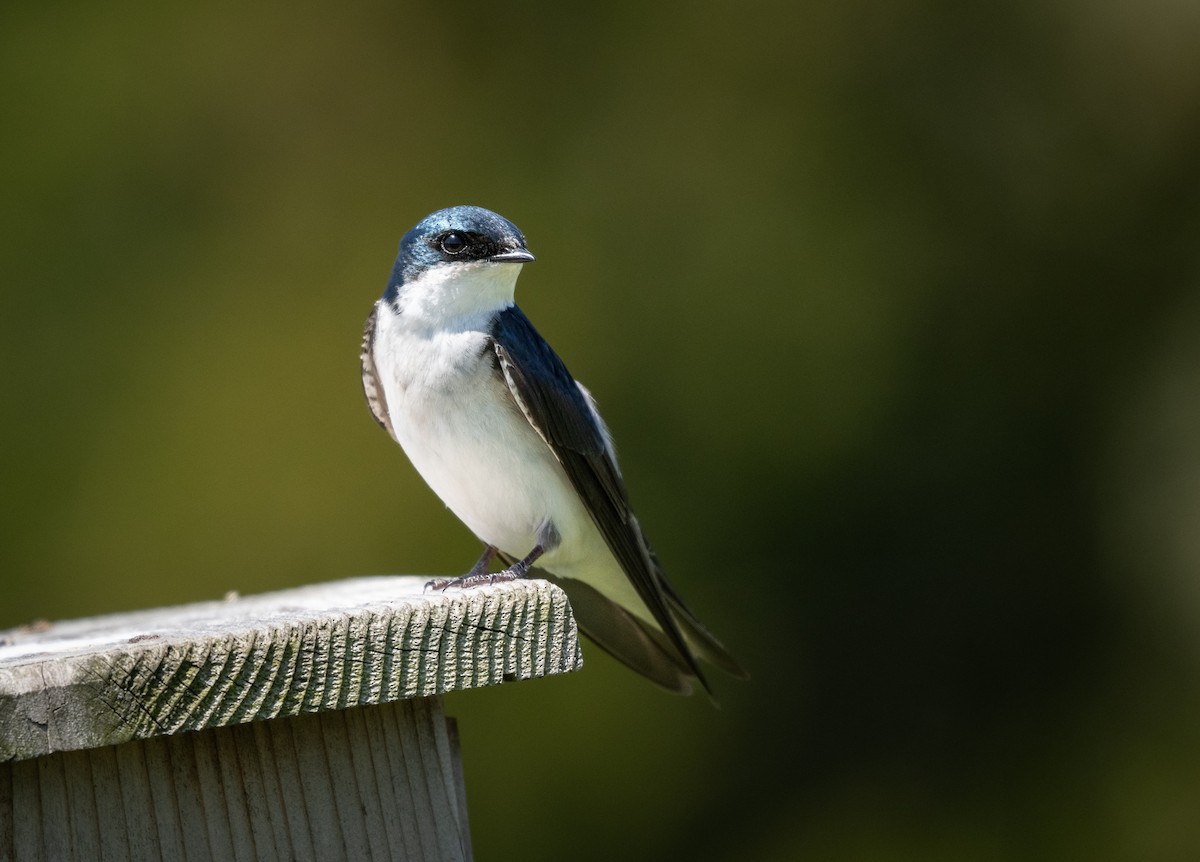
<point>625,637</point>
<point>702,641</point>
<point>699,639</point>
<point>642,647</point>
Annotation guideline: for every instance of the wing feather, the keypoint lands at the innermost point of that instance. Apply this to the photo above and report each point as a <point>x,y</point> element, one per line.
<point>372,388</point>
<point>561,413</point>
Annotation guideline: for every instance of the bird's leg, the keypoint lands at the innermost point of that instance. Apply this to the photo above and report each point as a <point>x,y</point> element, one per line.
<point>548,540</point>
<point>477,575</point>
<point>483,563</point>
<point>475,578</point>
<point>521,567</point>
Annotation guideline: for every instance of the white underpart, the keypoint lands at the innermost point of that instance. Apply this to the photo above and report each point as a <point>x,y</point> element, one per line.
<point>467,438</point>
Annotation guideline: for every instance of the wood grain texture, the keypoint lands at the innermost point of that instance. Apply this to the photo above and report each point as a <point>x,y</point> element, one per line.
<point>366,783</point>
<point>94,682</point>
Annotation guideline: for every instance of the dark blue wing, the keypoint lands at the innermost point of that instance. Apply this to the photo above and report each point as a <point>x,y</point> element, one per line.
<point>558,410</point>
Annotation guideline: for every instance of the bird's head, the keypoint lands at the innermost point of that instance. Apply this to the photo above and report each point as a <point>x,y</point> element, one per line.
<point>458,260</point>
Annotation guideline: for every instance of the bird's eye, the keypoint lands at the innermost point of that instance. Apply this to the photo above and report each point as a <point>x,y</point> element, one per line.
<point>452,243</point>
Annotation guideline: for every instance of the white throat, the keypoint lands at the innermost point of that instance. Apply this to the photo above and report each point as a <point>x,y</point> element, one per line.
<point>458,295</point>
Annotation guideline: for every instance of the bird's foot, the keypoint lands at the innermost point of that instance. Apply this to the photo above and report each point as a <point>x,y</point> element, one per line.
<point>472,579</point>
<point>479,575</point>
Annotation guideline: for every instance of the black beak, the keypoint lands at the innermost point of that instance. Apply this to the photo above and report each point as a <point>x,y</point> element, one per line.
<point>517,255</point>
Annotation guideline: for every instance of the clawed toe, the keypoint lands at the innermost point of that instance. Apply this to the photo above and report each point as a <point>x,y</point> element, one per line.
<point>479,575</point>
<point>470,580</point>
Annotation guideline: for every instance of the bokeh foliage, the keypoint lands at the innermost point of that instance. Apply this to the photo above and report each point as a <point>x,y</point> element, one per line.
<point>892,307</point>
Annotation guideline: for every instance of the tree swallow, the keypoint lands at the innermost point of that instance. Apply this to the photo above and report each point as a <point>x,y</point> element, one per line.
<point>499,429</point>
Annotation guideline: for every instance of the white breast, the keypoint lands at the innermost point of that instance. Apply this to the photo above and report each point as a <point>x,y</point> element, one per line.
<point>469,441</point>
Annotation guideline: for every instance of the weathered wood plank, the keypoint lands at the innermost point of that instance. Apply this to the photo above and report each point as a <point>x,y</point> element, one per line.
<point>27,811</point>
<point>233,804</point>
<point>98,681</point>
<point>6,815</point>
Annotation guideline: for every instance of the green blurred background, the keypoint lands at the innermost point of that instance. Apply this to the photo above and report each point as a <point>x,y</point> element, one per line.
<point>892,307</point>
